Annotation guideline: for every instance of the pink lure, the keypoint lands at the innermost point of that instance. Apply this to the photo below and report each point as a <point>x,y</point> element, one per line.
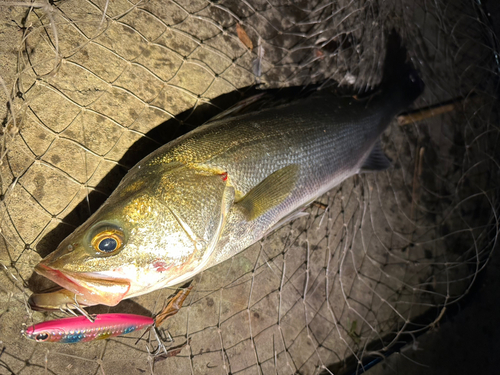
<point>80,329</point>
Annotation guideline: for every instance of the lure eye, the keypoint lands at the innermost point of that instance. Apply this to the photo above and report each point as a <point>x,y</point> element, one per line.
<point>108,241</point>
<point>43,336</point>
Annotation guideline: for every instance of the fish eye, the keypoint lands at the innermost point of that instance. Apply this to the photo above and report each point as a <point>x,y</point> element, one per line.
<point>107,240</point>
<point>108,244</point>
<point>43,336</point>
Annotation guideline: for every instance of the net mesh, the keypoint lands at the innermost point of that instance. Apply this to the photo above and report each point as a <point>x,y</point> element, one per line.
<point>89,87</point>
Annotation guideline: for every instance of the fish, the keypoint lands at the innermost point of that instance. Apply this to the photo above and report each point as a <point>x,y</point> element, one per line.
<point>80,329</point>
<point>206,196</point>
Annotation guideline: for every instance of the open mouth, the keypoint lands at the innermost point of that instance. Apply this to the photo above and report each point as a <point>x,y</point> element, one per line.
<point>91,288</point>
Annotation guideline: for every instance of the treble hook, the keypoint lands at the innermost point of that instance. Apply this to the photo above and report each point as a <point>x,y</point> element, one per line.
<point>161,347</point>
<point>77,306</point>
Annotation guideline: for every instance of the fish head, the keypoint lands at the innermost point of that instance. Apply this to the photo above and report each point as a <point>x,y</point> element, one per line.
<point>145,236</point>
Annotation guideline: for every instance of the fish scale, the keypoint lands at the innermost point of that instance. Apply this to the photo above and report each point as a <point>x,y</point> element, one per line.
<point>327,151</point>
<point>211,193</point>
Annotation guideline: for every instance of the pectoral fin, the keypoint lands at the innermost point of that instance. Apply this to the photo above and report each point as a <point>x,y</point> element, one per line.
<point>376,160</point>
<point>270,192</point>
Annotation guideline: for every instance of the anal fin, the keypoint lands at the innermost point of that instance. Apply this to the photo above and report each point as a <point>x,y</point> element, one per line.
<point>376,160</point>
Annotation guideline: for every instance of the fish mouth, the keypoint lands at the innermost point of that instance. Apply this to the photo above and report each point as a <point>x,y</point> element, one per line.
<point>91,288</point>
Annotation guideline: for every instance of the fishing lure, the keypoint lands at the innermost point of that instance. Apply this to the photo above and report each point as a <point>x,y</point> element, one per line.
<point>81,329</point>
<point>84,328</point>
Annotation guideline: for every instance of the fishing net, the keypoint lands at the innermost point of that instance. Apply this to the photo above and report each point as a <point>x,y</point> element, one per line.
<point>90,87</point>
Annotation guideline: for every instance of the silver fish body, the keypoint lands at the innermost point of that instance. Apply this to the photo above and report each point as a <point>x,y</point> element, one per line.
<point>211,193</point>
<point>317,143</point>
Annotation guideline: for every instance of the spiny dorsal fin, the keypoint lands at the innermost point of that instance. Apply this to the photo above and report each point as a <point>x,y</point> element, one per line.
<point>235,109</point>
<point>270,192</point>
<point>376,160</point>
